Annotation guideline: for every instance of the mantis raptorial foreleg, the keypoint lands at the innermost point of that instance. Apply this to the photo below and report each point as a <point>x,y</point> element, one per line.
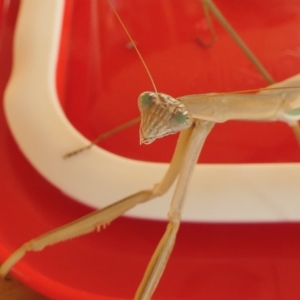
<point>95,220</point>
<point>159,259</point>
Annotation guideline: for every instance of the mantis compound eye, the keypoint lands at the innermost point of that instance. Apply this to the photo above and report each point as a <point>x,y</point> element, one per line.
<point>145,101</point>
<point>292,114</point>
<point>161,115</point>
<point>181,119</point>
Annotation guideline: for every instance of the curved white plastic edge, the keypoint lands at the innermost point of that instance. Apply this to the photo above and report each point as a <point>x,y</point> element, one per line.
<point>259,192</point>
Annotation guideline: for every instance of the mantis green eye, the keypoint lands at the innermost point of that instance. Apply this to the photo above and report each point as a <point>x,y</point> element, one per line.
<point>294,112</point>
<point>181,119</point>
<point>145,101</point>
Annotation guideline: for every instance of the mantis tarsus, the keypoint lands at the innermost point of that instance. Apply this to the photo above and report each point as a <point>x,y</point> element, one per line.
<point>199,119</point>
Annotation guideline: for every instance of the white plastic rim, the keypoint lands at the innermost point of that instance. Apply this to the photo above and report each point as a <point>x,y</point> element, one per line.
<point>227,193</point>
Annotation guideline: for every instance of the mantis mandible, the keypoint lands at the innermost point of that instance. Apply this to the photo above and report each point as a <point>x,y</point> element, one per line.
<point>193,116</point>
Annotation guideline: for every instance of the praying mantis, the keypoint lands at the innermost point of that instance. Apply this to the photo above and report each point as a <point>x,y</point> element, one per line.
<point>196,115</point>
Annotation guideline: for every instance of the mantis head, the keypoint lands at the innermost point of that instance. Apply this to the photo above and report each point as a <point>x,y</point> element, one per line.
<point>161,115</point>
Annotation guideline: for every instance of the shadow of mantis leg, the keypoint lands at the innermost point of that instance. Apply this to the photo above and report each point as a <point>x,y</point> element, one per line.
<point>211,28</point>
<point>162,252</point>
<point>95,220</point>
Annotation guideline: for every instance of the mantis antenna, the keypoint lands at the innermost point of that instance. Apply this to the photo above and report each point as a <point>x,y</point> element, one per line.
<point>133,44</point>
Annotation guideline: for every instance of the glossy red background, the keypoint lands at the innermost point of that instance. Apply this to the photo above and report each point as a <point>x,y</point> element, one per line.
<point>98,83</point>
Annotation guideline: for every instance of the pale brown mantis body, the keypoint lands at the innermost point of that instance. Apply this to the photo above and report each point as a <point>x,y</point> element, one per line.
<point>197,114</point>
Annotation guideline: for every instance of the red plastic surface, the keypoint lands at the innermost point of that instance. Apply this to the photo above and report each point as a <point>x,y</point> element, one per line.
<point>98,82</point>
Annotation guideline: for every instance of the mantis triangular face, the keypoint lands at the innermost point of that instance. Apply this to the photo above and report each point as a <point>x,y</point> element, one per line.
<point>161,115</point>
